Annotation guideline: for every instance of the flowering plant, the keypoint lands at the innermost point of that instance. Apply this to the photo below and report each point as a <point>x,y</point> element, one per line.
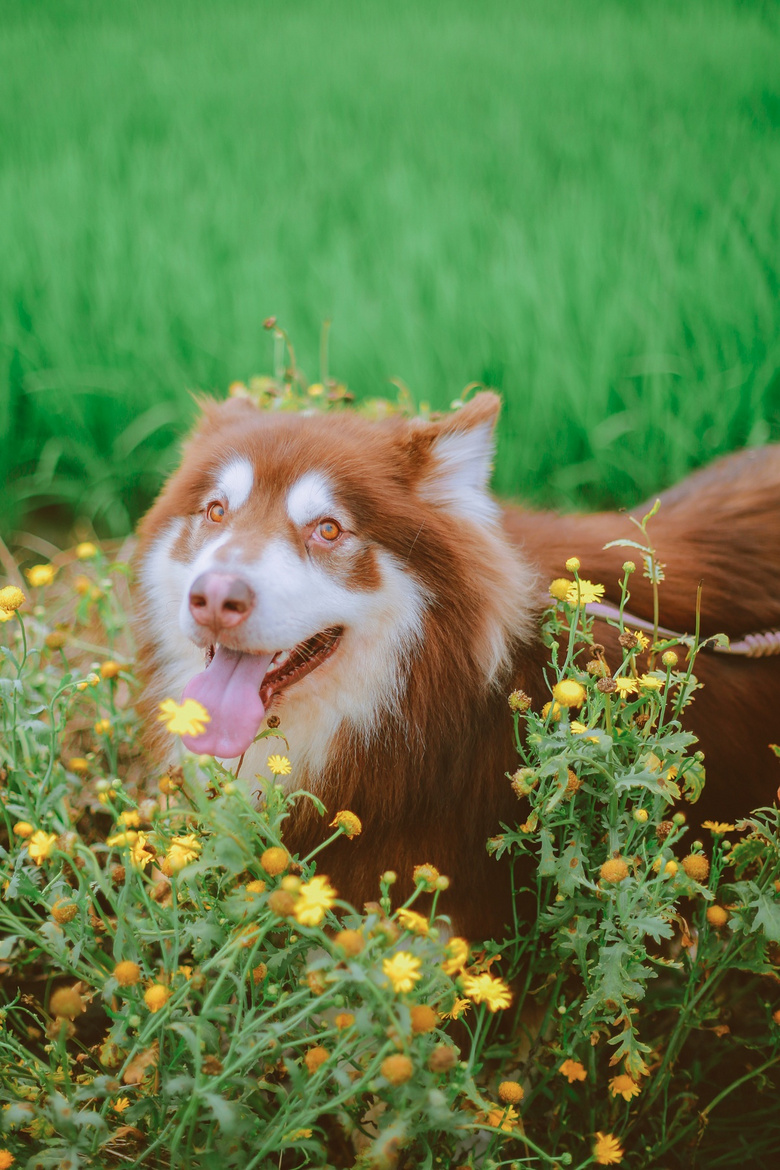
<point>176,985</point>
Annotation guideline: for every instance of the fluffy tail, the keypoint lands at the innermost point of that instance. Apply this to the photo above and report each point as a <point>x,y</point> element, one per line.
<point>720,527</point>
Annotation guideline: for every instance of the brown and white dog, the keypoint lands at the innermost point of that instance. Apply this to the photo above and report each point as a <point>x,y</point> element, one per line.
<point>356,580</point>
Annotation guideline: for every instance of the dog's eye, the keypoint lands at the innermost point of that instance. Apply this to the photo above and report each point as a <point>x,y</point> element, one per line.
<point>215,512</point>
<point>329,530</point>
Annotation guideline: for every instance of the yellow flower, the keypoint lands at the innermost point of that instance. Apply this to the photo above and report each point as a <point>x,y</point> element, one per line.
<point>23,829</point>
<point>6,1159</point>
<point>553,710</point>
<point>423,1018</point>
<point>511,1091</point>
<point>139,854</point>
<point>275,860</point>
<point>349,824</point>
<point>187,718</point>
<point>127,973</point>
<point>121,1104</point>
<point>102,727</point>
<point>129,819</point>
<point>41,845</point>
<point>344,1020</point>
<point>650,682</point>
<point>614,870</point>
<point>584,593</point>
<point>413,922</point>
<point>607,1150</point>
<point>397,1068</point>
<point>156,996</point>
<point>573,1071</point>
<point>457,1010</point>
<point>457,950</point>
<point>559,588</point>
<point>569,693</point>
<point>502,1117</point>
<point>315,1058</point>
<point>315,390</point>
<point>626,686</point>
<point>717,916</point>
<point>40,575</point>
<point>11,597</point>
<point>426,875</point>
<point>314,899</point>
<point>718,828</point>
<point>66,1002</point>
<point>280,766</point>
<point>696,866</point>
<point>487,989</point>
<point>78,764</point>
<point>519,701</point>
<point>176,858</point>
<point>189,845</point>
<point>85,550</point>
<point>624,1086</point>
<point>642,640</point>
<point>402,970</point>
<point>118,840</point>
<point>110,669</point>
<point>64,911</point>
<point>573,565</point>
<point>351,942</point>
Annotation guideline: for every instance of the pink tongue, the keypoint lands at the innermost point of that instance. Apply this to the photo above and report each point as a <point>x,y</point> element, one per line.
<point>229,690</point>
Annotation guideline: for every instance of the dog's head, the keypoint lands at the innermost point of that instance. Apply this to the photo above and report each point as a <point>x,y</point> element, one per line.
<point>308,558</point>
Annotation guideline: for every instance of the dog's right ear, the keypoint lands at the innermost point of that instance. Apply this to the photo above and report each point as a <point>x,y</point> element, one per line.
<point>452,458</point>
<point>216,413</point>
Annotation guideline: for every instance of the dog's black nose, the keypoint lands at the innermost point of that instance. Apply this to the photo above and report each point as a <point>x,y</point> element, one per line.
<point>219,600</point>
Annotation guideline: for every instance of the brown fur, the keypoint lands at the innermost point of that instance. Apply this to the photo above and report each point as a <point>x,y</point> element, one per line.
<point>431,786</point>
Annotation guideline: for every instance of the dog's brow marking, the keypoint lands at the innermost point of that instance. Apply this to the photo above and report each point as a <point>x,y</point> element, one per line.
<point>236,480</point>
<point>309,499</point>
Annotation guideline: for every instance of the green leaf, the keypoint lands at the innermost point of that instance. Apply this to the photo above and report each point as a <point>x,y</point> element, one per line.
<point>229,854</point>
<point>767,916</point>
<point>618,974</point>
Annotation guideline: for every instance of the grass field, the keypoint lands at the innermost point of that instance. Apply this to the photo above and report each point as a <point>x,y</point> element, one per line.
<point>574,202</point>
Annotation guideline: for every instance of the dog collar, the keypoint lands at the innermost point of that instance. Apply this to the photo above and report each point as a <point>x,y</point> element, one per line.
<point>759,645</point>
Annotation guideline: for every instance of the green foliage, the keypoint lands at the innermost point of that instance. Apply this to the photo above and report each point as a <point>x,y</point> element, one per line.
<point>255,1029</point>
<point>574,203</point>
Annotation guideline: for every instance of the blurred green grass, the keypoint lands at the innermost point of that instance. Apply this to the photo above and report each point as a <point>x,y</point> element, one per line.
<point>575,202</point>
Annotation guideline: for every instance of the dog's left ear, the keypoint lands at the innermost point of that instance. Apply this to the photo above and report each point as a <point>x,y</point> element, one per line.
<point>454,458</point>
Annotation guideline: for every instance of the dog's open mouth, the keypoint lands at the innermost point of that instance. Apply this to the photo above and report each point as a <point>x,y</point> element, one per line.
<point>237,688</point>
